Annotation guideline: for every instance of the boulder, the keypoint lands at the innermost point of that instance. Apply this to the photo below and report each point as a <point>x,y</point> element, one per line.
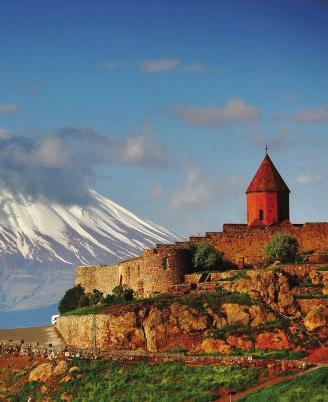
<point>73,370</point>
<point>218,321</point>
<point>121,332</point>
<point>272,340</point>
<point>257,315</point>
<point>216,346</point>
<point>66,397</point>
<point>60,368</point>
<point>270,286</point>
<point>315,319</point>
<point>189,319</point>
<point>66,379</point>
<point>152,324</point>
<point>236,313</point>
<point>42,373</point>
<point>238,342</point>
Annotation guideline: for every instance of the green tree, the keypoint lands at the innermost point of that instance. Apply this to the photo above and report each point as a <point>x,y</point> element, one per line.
<point>73,298</point>
<point>123,292</point>
<point>96,296</point>
<point>283,247</point>
<point>205,257</point>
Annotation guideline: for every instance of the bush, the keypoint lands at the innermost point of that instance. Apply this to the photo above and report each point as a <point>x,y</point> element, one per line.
<point>206,257</point>
<point>73,298</point>
<point>96,297</point>
<point>283,247</point>
<point>123,292</point>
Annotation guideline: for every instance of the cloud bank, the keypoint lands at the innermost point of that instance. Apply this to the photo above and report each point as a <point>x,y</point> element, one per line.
<point>61,166</point>
<point>8,108</point>
<point>156,66</point>
<point>236,111</point>
<point>318,115</point>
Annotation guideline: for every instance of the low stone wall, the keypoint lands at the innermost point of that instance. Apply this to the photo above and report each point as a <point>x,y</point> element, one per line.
<point>206,360</point>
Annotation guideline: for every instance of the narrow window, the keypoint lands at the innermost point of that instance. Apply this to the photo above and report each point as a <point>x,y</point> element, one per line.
<point>138,271</point>
<point>121,280</point>
<point>261,215</point>
<point>166,263</point>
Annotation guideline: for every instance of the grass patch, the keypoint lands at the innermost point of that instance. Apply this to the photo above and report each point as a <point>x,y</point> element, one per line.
<point>235,297</point>
<point>322,269</point>
<point>103,381</point>
<point>271,354</point>
<point>308,284</point>
<point>311,296</point>
<point>28,389</point>
<point>285,373</point>
<point>309,387</point>
<point>238,275</point>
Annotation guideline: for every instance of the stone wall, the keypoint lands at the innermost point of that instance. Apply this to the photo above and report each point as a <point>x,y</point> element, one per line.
<point>151,274</point>
<point>158,269</point>
<point>247,243</point>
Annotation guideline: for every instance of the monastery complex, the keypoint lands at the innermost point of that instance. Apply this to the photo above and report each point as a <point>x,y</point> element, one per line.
<point>167,266</point>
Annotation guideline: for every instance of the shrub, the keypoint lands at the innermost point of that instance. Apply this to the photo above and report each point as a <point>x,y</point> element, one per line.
<point>283,247</point>
<point>123,292</point>
<point>73,298</point>
<point>96,296</point>
<point>206,257</point>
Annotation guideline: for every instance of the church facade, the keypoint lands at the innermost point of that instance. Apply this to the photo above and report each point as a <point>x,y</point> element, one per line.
<point>157,270</point>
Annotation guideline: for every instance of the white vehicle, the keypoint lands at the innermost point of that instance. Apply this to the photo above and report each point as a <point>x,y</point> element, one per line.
<point>54,319</point>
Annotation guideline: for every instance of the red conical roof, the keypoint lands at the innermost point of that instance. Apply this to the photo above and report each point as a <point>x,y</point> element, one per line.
<point>267,179</point>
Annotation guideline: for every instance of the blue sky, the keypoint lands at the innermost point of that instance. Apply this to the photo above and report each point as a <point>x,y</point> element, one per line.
<point>165,107</point>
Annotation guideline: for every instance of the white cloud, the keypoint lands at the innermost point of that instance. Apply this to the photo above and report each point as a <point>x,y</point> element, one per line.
<point>200,190</point>
<point>318,115</point>
<point>307,178</point>
<point>5,134</point>
<point>143,151</point>
<point>199,68</point>
<point>235,111</point>
<point>113,65</point>
<point>7,108</point>
<point>52,152</point>
<point>156,66</point>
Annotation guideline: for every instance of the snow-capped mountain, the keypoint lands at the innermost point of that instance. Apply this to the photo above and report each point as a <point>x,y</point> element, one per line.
<point>41,242</point>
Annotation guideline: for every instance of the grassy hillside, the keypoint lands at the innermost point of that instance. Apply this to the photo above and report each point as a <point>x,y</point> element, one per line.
<point>309,387</point>
<point>108,381</point>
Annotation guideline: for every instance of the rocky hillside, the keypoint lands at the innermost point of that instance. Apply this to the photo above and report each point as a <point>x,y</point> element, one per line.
<point>253,310</point>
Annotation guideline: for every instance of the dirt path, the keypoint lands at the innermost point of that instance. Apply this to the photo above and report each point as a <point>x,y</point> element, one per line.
<point>43,335</point>
<point>271,381</point>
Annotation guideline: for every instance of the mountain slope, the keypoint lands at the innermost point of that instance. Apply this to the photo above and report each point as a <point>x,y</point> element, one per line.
<point>41,242</point>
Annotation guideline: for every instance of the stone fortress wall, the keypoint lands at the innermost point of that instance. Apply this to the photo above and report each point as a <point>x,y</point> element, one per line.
<point>157,270</point>
<point>152,273</point>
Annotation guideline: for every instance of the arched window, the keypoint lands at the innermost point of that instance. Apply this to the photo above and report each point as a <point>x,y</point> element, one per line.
<point>261,215</point>
<point>166,263</point>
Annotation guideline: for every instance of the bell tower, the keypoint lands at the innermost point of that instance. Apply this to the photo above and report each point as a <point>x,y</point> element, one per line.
<point>267,196</point>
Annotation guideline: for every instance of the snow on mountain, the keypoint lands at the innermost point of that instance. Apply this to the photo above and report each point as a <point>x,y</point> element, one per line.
<point>41,242</point>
